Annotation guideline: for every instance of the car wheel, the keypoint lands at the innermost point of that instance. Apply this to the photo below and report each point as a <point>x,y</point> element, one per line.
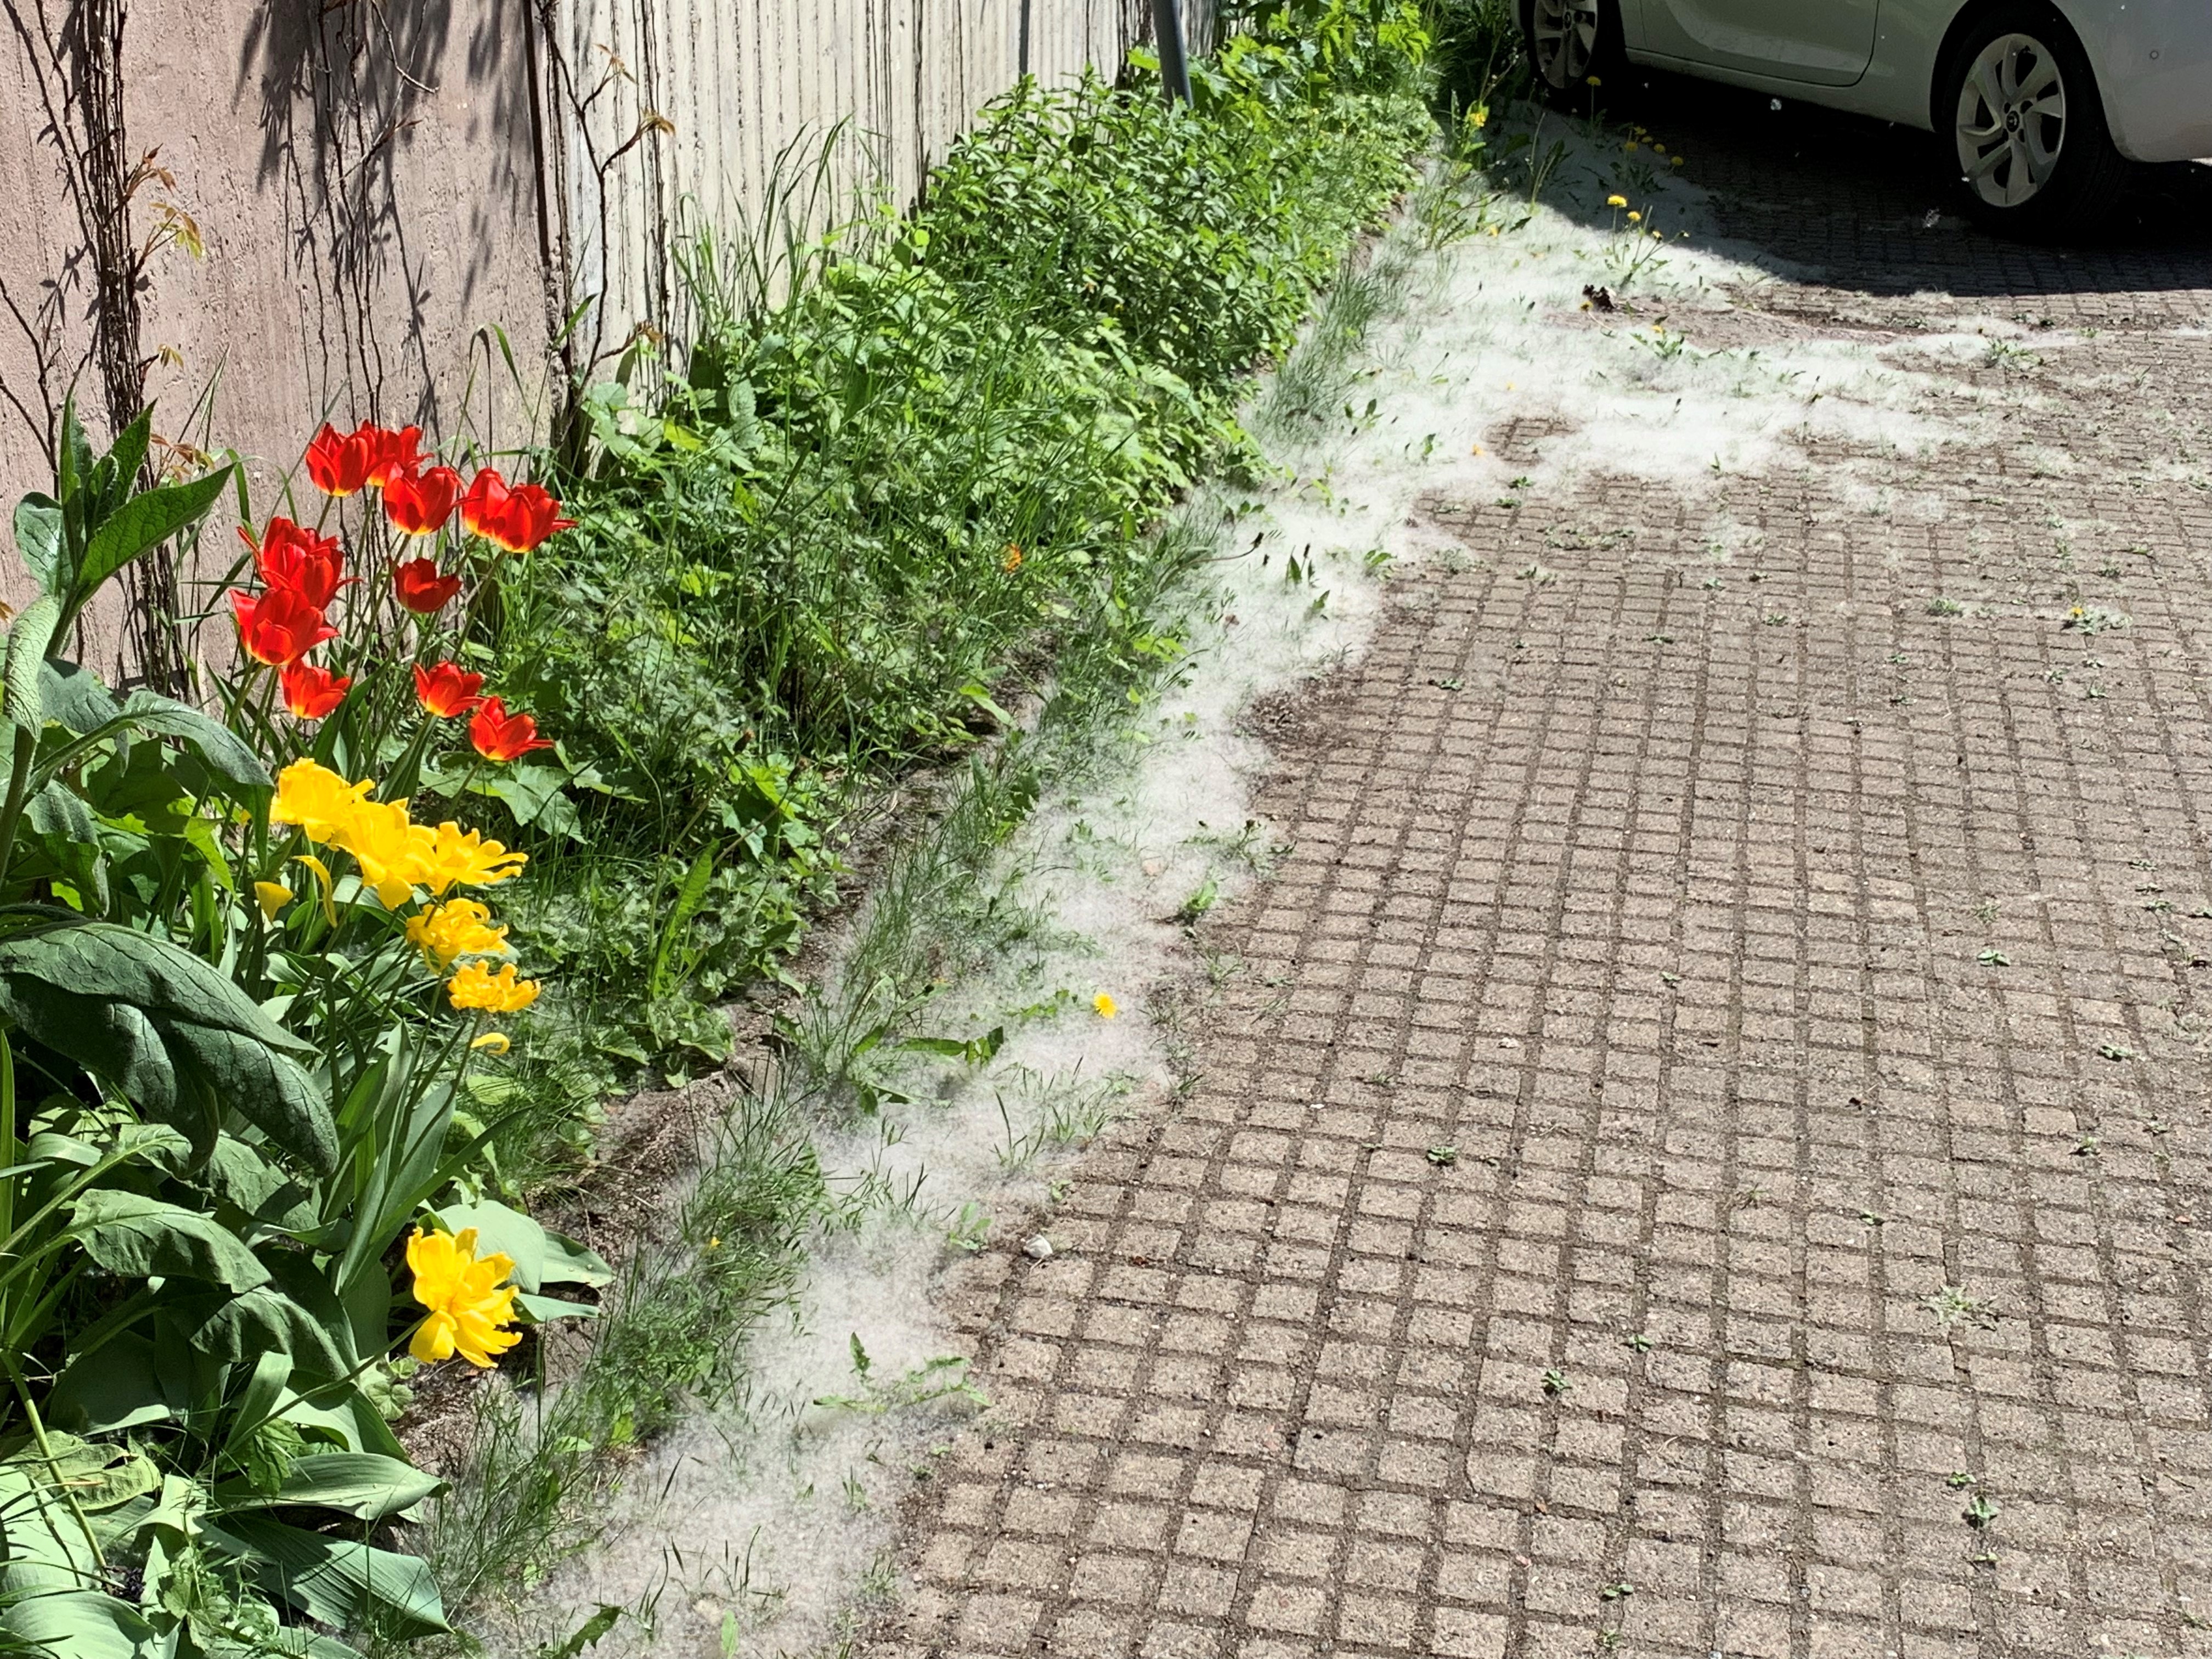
<point>1568,42</point>
<point>2019,100</point>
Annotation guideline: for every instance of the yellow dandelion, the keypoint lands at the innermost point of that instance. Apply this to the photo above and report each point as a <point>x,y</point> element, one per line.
<point>477,986</point>
<point>1616,201</point>
<point>470,1305</point>
<point>1595,82</point>
<point>1012,561</point>
<point>1635,218</point>
<point>1675,159</point>
<point>1106,1006</point>
<point>274,897</point>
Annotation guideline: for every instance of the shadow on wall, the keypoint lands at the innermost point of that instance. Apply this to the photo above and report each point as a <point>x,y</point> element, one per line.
<point>1872,206</point>
<point>345,92</point>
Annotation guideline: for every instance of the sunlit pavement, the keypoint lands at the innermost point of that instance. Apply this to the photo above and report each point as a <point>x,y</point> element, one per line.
<point>1706,1152</point>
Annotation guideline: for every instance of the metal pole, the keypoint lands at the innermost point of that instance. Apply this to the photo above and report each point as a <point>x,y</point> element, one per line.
<point>1175,72</point>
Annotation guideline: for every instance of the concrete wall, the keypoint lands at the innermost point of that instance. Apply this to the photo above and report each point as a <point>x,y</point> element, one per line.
<point>384,189</point>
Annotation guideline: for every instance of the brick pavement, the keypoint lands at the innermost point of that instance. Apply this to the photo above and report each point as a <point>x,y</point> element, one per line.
<point>1709,1099</point>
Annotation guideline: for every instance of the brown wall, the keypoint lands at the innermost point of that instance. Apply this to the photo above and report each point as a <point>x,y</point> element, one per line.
<point>382,188</point>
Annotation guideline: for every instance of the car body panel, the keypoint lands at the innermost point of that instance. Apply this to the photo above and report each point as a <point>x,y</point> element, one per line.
<point>1827,44</point>
<point>2153,60</point>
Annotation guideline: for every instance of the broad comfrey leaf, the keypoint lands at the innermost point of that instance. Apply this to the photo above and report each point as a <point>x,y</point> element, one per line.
<point>142,1237</point>
<point>223,751</point>
<point>145,521</point>
<point>42,540</point>
<point>173,1034</point>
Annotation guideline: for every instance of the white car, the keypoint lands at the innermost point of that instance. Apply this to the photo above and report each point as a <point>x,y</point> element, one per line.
<point>2046,102</point>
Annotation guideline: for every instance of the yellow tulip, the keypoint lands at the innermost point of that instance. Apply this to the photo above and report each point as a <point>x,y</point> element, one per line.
<point>316,798</point>
<point>458,927</point>
<point>492,1042</point>
<point>274,897</point>
<point>477,986</point>
<point>470,1306</point>
<point>451,855</point>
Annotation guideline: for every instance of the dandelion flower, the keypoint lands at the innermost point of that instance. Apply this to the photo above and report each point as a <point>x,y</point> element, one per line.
<point>1595,82</point>
<point>1012,561</point>
<point>1106,1006</point>
<point>1635,218</point>
<point>477,986</point>
<point>1616,201</point>
<point>1675,159</point>
<point>458,927</point>
<point>470,1307</point>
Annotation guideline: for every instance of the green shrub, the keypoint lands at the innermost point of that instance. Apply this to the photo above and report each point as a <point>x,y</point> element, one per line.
<point>808,562</point>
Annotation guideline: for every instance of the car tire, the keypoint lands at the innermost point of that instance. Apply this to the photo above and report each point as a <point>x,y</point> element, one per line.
<point>2017,102</point>
<point>1569,42</point>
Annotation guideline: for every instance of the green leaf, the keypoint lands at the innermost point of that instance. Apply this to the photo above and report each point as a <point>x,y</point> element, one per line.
<point>42,540</point>
<point>121,464</point>
<point>145,521</point>
<point>120,1385</point>
<point>225,753</point>
<point>292,1317</point>
<point>363,1484</point>
<point>541,1256</point>
<point>181,1041</point>
<point>75,695</point>
<point>340,1581</point>
<point>141,1237</point>
<point>79,1623</point>
<point>26,654</point>
<point>101,960</point>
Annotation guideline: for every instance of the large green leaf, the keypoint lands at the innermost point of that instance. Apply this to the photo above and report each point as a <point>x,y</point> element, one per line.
<point>76,1624</point>
<point>101,960</point>
<point>145,521</point>
<point>21,694</point>
<point>268,1089</point>
<point>226,754</point>
<point>362,1484</point>
<point>42,540</point>
<point>142,1237</point>
<point>541,1256</point>
<point>265,1320</point>
<point>75,696</point>
<point>120,1385</point>
<point>337,1580</point>
<point>176,1036</point>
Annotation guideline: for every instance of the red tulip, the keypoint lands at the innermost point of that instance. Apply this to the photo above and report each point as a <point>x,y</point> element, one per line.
<point>421,506</point>
<point>279,626</point>
<point>390,454</point>
<point>339,464</point>
<point>446,690</point>
<point>420,588</point>
<point>289,556</point>
<point>501,736</point>
<point>311,692</point>
<point>517,517</point>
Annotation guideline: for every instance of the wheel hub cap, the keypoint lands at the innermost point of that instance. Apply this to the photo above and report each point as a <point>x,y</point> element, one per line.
<point>2011,120</point>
